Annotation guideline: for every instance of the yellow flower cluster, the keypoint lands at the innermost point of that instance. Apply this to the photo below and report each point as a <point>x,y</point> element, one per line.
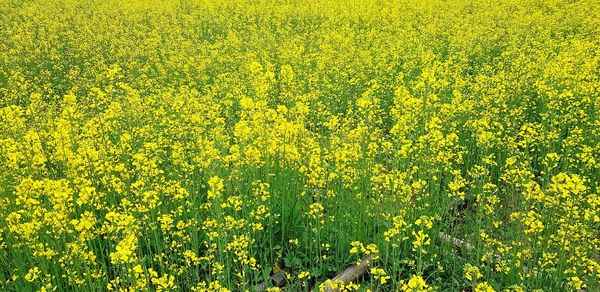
<point>416,284</point>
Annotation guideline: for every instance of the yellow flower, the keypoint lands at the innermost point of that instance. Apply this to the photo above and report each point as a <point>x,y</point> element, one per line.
<point>484,287</point>
<point>471,272</point>
<point>247,103</point>
<point>357,247</point>
<point>576,283</point>
<point>316,211</point>
<point>380,274</point>
<point>165,282</point>
<point>216,186</point>
<point>33,274</point>
<point>416,284</point>
<point>125,250</point>
<point>304,275</point>
<point>420,240</point>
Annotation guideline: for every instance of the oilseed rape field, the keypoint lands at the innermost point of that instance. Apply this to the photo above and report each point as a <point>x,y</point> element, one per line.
<point>287,145</point>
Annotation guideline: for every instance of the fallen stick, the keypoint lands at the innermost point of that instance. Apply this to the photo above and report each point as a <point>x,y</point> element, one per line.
<point>350,274</point>
<point>353,273</point>
<point>457,242</point>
